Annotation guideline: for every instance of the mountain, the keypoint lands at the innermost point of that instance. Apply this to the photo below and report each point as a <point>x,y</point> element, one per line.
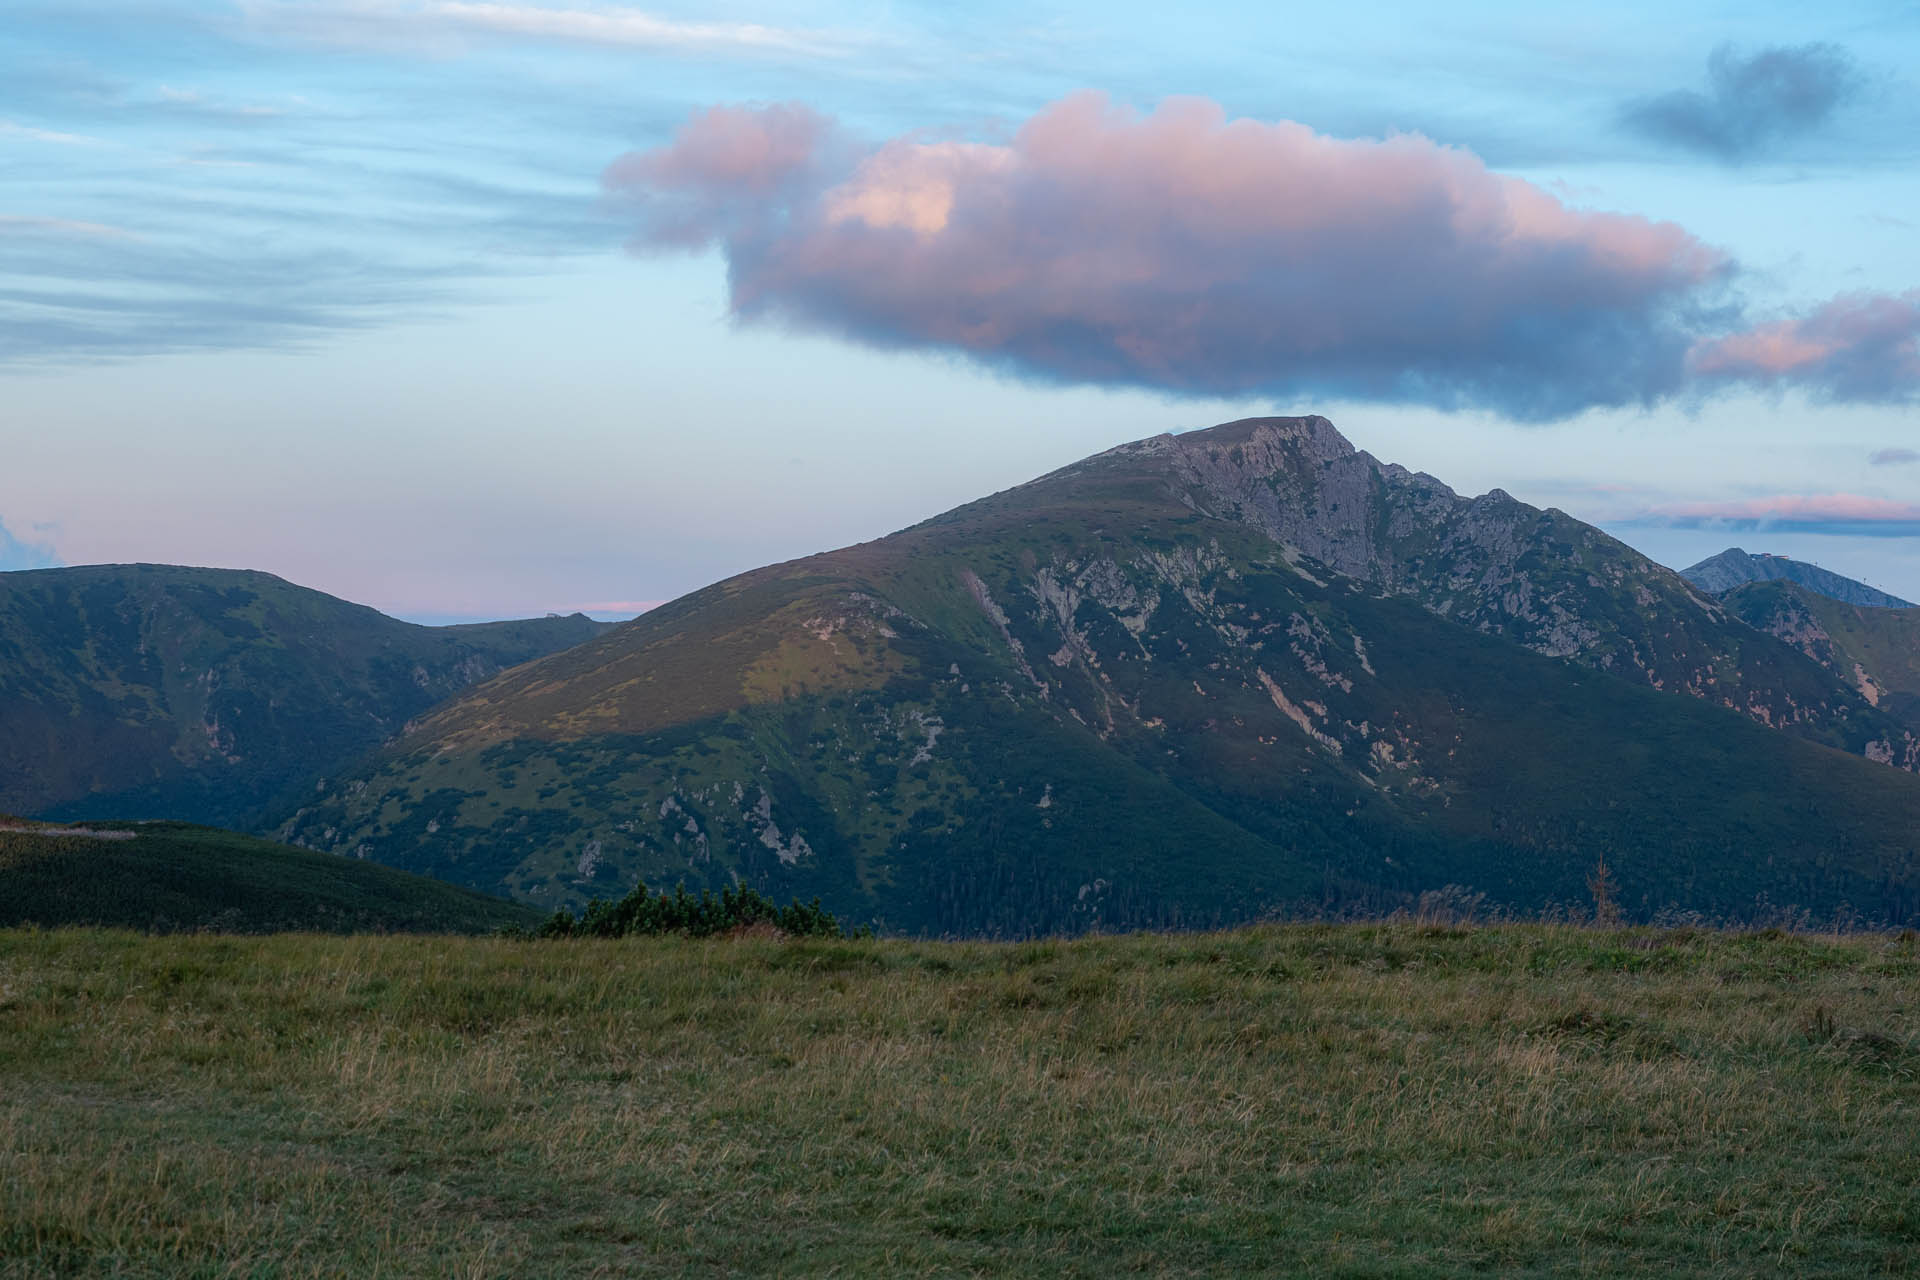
<point>171,877</point>
<point>203,694</point>
<point>1734,568</point>
<point>1190,680</point>
<point>1874,648</point>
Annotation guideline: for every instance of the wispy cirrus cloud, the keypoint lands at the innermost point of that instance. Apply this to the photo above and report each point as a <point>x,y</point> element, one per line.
<point>1893,457</point>
<point>434,22</point>
<point>1833,513</point>
<point>619,25</point>
<point>24,225</point>
<point>1751,102</point>
<point>222,217</point>
<point>256,253</point>
<point>53,137</point>
<point>1187,252</point>
<point>198,103</point>
<point>77,291</point>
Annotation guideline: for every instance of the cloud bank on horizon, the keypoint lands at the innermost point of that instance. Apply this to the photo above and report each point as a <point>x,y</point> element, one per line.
<point>1191,253</point>
<point>1851,514</point>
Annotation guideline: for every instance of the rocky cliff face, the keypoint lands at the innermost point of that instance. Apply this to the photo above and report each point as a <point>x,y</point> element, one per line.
<point>1540,578</point>
<point>1875,650</point>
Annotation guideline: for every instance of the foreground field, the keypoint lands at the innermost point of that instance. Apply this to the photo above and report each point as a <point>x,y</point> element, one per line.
<point>1363,1100</point>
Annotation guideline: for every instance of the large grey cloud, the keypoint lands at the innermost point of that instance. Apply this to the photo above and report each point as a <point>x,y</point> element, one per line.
<point>1751,102</point>
<point>1187,252</point>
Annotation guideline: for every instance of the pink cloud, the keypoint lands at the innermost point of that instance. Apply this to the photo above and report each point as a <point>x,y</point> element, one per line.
<point>724,169</point>
<point>1193,253</point>
<point>1859,346</point>
<point>1824,512</point>
<point>1824,506</point>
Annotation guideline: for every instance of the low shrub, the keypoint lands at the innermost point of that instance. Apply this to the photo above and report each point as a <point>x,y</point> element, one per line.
<point>646,912</point>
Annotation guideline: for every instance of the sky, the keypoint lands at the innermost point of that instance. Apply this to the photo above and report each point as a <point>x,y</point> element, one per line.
<point>485,308</point>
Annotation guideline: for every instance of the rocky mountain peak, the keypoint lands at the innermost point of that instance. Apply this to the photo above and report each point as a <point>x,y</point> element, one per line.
<point>1311,436</point>
<point>1735,568</point>
<point>1721,572</point>
<point>1297,479</point>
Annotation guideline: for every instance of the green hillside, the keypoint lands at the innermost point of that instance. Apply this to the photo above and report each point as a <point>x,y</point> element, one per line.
<point>1875,649</point>
<point>205,694</point>
<point>172,877</point>
<point>1400,1100</point>
<point>1186,682</point>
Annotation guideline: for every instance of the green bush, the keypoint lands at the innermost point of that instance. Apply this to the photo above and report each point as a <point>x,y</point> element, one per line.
<point>645,912</point>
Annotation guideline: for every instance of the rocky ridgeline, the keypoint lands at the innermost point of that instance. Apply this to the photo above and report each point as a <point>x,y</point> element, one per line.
<point>1541,578</point>
<point>1735,568</point>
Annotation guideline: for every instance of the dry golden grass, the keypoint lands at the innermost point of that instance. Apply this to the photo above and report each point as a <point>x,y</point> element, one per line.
<point>1362,1100</point>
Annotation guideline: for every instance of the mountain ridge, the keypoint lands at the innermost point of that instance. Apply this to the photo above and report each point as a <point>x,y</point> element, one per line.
<point>1734,568</point>
<point>202,694</point>
<point>1181,681</point>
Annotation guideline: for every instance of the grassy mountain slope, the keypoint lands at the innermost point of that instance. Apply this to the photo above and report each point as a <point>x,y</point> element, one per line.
<point>1874,648</point>
<point>169,877</point>
<point>1179,683</point>
<point>203,694</point>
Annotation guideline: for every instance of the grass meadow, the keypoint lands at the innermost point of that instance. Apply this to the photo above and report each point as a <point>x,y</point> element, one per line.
<point>1377,1100</point>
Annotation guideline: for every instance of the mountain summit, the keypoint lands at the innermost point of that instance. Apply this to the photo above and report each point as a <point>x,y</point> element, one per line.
<point>1734,568</point>
<point>1192,679</point>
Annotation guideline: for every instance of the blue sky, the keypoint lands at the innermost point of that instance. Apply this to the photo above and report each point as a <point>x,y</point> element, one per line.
<point>335,288</point>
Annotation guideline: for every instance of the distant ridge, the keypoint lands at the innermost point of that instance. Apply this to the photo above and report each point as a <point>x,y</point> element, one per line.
<point>166,691</point>
<point>1734,568</point>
